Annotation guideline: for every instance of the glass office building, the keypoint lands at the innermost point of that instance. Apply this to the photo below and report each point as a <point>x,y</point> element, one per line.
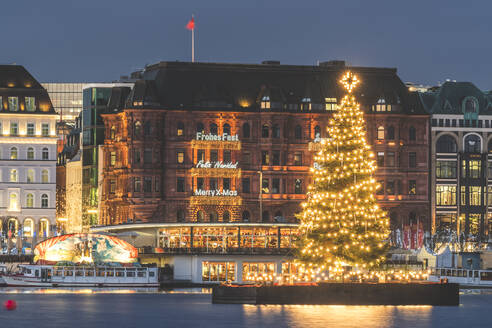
<point>66,99</point>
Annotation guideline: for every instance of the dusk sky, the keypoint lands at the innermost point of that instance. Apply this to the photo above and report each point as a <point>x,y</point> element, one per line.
<point>89,40</point>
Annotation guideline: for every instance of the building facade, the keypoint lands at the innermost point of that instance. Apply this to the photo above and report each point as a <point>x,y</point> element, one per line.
<point>461,171</point>
<point>28,159</point>
<point>234,143</point>
<point>66,99</point>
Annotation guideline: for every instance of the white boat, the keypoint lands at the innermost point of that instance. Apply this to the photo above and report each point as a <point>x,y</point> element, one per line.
<point>464,277</point>
<point>83,276</point>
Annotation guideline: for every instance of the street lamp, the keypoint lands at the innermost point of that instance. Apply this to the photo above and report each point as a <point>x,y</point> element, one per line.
<point>261,195</point>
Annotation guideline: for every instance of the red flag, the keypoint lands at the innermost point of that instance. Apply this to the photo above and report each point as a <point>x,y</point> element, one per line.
<point>191,24</point>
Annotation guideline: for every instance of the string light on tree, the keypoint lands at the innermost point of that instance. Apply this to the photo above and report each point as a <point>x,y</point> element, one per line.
<point>341,223</point>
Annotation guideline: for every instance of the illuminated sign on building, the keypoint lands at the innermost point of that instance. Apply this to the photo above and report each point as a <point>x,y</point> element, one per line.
<point>213,193</point>
<point>213,137</point>
<point>216,165</point>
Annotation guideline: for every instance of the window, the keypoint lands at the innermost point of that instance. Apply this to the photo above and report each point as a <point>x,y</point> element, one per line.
<point>246,185</point>
<point>306,103</point>
<point>412,187</point>
<point>136,156</point>
<point>380,190</point>
<point>200,155</point>
<point>30,176</point>
<point>157,184</point>
<point>265,186</point>
<point>390,159</point>
<point>298,158</point>
<point>180,184</point>
<point>475,195</point>
<point>445,195</point>
<point>226,184</point>
<point>200,216</point>
<point>147,156</point>
<point>44,176</point>
<point>45,129</point>
<point>14,128</point>
<point>214,129</point>
<point>446,169</point>
<point>13,175</point>
<point>276,157</point>
<point>245,216</point>
<point>200,183</point>
<point>13,104</point>
<point>226,129</point>
<point>474,168</point>
<point>218,271</point>
<point>137,130</point>
<point>13,153</point>
<point>213,217</point>
<point>275,186</point>
<point>45,154</point>
<point>473,144</point>
<point>30,129</point>
<point>30,153</point>
<point>29,201</point>
<point>112,133</point>
<point>137,184</point>
<point>265,102</point>
<point>112,186</point>
<point>412,134</point>
<point>30,104</point>
<point>147,128</point>
<point>112,158</point>
<point>264,131</point>
<point>317,132</point>
<point>227,156</point>
<point>298,186</point>
<point>14,204</point>
<point>200,127</point>
<point>412,159</point>
<point>446,144</point>
<point>381,106</point>
<point>298,132</point>
<point>44,201</point>
<point>265,158</point>
<point>246,158</point>
<point>180,129</point>
<point>390,133</point>
<point>380,134</point>
<point>380,158</point>
<point>180,215</point>
<point>214,155</point>
<point>390,188</point>
<point>275,131</point>
<point>213,184</point>
<point>180,157</point>
<point>246,130</point>
<point>147,187</point>
<point>331,104</point>
<point>226,216</point>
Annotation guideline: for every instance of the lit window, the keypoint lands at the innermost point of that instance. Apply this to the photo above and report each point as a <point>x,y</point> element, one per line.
<point>14,202</point>
<point>446,169</point>
<point>180,129</point>
<point>29,201</point>
<point>13,153</point>
<point>13,175</point>
<point>30,104</point>
<point>112,160</point>
<point>45,129</point>
<point>30,129</point>
<point>13,104</point>
<point>30,176</point>
<point>475,195</point>
<point>380,135</point>
<point>265,186</point>
<point>412,187</point>
<point>14,128</point>
<point>265,102</point>
<point>474,169</point>
<point>112,186</point>
<point>113,132</point>
<point>44,176</point>
<point>331,104</point>
<point>445,195</point>
<point>298,158</point>
<point>381,106</point>
<point>306,104</point>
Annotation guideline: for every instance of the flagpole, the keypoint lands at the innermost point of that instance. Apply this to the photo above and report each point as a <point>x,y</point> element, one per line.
<point>193,45</point>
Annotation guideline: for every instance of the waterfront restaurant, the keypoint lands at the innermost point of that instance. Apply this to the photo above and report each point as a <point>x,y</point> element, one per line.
<point>212,252</point>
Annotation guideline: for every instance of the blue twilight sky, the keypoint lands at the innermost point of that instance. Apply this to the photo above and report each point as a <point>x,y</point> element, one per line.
<point>99,40</point>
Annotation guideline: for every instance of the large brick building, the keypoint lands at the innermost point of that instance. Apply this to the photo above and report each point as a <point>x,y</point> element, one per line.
<point>231,142</point>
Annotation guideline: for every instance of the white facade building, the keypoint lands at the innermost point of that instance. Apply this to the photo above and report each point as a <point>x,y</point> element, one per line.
<point>28,153</point>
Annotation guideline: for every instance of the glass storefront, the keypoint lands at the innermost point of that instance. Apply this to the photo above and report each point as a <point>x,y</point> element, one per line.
<point>218,271</point>
<point>252,269</point>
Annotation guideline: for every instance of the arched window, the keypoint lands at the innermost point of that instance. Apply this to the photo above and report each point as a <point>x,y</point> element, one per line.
<point>489,146</point>
<point>14,177</point>
<point>45,154</point>
<point>200,127</point>
<point>30,153</point>
<point>278,216</point>
<point>298,132</point>
<point>412,134</point>
<point>28,227</point>
<point>180,215</point>
<point>112,132</point>
<point>44,225</point>
<point>265,217</point>
<point>147,128</point>
<point>275,131</point>
<point>226,216</point>
<point>29,201</point>
<point>200,216</point>
<point>213,129</point>
<point>470,105</point>
<point>317,132</point>
<point>13,153</point>
<point>245,216</point>
<point>473,144</point>
<point>14,202</point>
<point>226,128</point>
<point>13,225</point>
<point>137,129</point>
<point>446,144</point>
<point>213,216</point>
<point>44,176</point>
<point>44,201</point>
<point>390,133</point>
<point>30,176</point>
<point>180,129</point>
<point>380,135</point>
<point>246,130</point>
<point>264,131</point>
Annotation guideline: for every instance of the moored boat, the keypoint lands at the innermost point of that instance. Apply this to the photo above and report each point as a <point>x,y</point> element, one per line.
<point>463,277</point>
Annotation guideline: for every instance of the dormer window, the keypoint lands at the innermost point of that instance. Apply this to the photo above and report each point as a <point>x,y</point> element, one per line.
<point>30,104</point>
<point>13,104</point>
<point>265,102</point>
<point>331,104</point>
<point>381,106</point>
<point>306,104</point>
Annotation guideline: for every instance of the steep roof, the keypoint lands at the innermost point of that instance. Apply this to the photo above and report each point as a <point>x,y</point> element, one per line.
<point>16,81</point>
<point>240,87</point>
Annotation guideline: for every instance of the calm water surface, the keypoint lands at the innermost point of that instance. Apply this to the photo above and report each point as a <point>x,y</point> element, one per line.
<point>193,308</point>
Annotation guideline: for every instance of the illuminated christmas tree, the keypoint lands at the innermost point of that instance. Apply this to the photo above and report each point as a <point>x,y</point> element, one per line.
<point>341,223</point>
